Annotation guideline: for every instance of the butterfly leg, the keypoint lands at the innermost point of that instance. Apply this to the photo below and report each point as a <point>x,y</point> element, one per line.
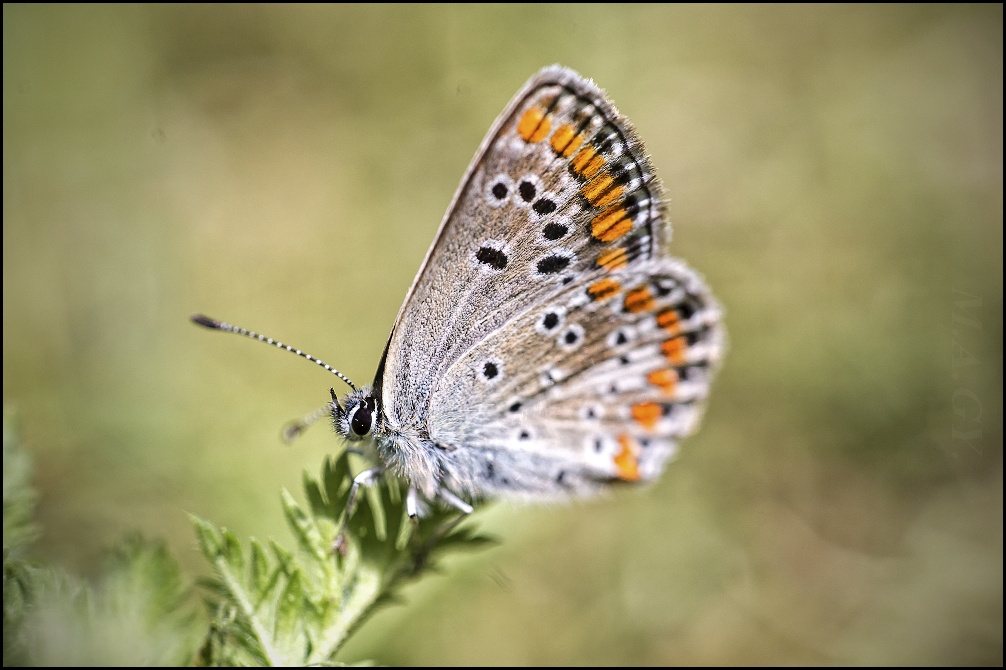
<point>421,549</point>
<point>364,478</point>
<point>454,501</point>
<point>458,504</point>
<point>412,508</point>
<point>412,504</point>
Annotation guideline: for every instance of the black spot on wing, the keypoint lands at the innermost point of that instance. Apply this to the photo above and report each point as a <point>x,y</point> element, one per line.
<point>494,258</point>
<point>554,231</point>
<point>544,206</point>
<point>552,264</point>
<point>527,191</point>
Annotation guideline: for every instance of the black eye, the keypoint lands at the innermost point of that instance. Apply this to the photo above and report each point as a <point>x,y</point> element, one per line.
<point>361,419</point>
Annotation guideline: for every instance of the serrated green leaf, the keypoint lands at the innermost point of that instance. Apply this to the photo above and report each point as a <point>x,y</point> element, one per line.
<point>216,588</point>
<point>284,557</point>
<point>316,499</point>
<point>401,528</point>
<point>289,606</point>
<point>299,607</point>
<point>232,551</point>
<point>337,480</point>
<point>375,498</point>
<point>208,537</point>
<point>303,526</point>
<point>259,576</point>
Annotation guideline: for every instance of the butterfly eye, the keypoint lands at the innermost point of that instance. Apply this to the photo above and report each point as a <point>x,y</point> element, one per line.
<point>361,419</point>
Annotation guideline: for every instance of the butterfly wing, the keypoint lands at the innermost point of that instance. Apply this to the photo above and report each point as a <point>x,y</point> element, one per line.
<point>599,389</point>
<point>547,344</point>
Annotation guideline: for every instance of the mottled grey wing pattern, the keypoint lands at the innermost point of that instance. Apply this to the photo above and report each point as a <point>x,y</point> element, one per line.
<point>548,345</point>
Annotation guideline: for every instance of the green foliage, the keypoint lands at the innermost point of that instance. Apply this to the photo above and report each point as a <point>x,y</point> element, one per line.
<point>137,611</point>
<point>19,531</point>
<point>268,605</point>
<point>274,607</point>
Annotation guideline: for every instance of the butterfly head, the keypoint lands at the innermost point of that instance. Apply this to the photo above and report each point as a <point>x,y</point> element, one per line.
<point>357,415</point>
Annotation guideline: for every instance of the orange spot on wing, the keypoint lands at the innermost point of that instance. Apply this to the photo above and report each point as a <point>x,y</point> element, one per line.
<point>612,259</point>
<point>533,126</point>
<point>603,289</point>
<point>669,321</point>
<point>638,300</point>
<point>647,414</point>
<point>610,224</point>
<point>665,379</point>
<point>626,460</point>
<point>674,350</point>
<point>587,162</point>
<point>602,191</point>
<point>565,140</point>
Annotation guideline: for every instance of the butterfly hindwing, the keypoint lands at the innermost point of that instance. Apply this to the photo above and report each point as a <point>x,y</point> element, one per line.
<point>595,390</point>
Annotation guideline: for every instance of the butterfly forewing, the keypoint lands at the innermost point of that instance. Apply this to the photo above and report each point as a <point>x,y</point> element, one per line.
<point>547,344</point>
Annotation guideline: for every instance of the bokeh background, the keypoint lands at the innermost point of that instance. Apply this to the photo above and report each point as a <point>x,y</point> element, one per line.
<point>835,172</point>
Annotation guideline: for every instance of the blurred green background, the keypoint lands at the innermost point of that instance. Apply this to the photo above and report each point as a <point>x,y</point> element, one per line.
<point>835,172</point>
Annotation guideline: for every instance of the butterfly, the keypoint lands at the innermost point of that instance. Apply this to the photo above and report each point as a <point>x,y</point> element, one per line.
<point>548,346</point>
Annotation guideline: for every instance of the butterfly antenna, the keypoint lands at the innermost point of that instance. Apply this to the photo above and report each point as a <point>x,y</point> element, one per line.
<point>213,324</point>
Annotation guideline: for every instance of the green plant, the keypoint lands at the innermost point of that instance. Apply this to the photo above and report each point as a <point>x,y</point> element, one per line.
<point>137,611</point>
<point>276,607</point>
<point>266,605</point>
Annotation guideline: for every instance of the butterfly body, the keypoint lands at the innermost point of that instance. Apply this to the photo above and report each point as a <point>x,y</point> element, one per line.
<point>548,345</point>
